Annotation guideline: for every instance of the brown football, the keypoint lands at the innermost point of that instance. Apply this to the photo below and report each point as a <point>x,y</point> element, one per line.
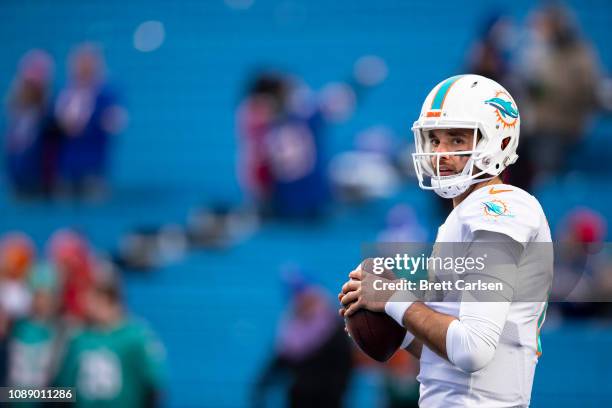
<point>376,334</point>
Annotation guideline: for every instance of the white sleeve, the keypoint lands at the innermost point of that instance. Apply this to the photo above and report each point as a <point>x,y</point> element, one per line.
<point>472,340</point>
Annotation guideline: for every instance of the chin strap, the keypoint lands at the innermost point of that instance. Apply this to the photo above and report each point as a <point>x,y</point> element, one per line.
<point>456,189</point>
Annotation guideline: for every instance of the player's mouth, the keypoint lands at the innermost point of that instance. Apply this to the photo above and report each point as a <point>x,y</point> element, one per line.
<point>446,171</point>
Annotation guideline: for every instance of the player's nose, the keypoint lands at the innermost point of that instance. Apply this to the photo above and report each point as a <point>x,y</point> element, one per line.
<point>443,148</point>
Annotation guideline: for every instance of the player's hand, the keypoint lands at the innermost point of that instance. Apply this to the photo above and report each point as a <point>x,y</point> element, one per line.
<point>358,292</point>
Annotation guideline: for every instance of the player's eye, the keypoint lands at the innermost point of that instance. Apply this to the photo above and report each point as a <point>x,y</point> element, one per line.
<point>434,141</point>
<point>458,141</point>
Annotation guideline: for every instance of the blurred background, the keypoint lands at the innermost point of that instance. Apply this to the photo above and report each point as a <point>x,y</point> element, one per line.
<point>185,185</point>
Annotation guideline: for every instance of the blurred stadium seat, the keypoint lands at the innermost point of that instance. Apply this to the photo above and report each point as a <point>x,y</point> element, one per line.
<point>215,311</point>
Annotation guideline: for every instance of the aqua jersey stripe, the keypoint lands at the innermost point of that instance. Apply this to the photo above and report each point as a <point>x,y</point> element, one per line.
<point>539,351</point>
<point>542,316</point>
<point>540,323</point>
<point>438,100</point>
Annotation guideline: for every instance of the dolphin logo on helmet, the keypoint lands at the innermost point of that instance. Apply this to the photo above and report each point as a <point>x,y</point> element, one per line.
<point>504,107</point>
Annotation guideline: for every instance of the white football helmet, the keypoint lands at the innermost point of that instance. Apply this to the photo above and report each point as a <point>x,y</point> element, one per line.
<point>467,102</point>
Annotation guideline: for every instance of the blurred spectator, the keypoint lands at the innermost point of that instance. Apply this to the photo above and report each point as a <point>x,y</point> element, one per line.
<point>559,74</point>
<point>16,258</point>
<point>31,139</point>
<point>264,103</point>
<point>490,55</point>
<point>88,113</point>
<point>115,361</point>
<point>70,254</point>
<point>579,261</point>
<point>282,163</point>
<point>282,122</point>
<point>17,255</point>
<point>312,350</point>
<point>34,344</point>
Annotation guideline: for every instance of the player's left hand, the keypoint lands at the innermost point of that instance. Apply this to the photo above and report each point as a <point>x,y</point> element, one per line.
<point>358,292</point>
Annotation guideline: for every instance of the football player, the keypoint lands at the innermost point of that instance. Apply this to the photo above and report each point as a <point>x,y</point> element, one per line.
<point>473,353</point>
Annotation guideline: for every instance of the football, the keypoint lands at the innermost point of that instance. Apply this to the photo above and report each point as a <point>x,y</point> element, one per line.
<point>376,334</point>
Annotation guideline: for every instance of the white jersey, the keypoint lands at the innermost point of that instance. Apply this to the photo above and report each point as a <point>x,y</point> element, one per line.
<point>507,379</point>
